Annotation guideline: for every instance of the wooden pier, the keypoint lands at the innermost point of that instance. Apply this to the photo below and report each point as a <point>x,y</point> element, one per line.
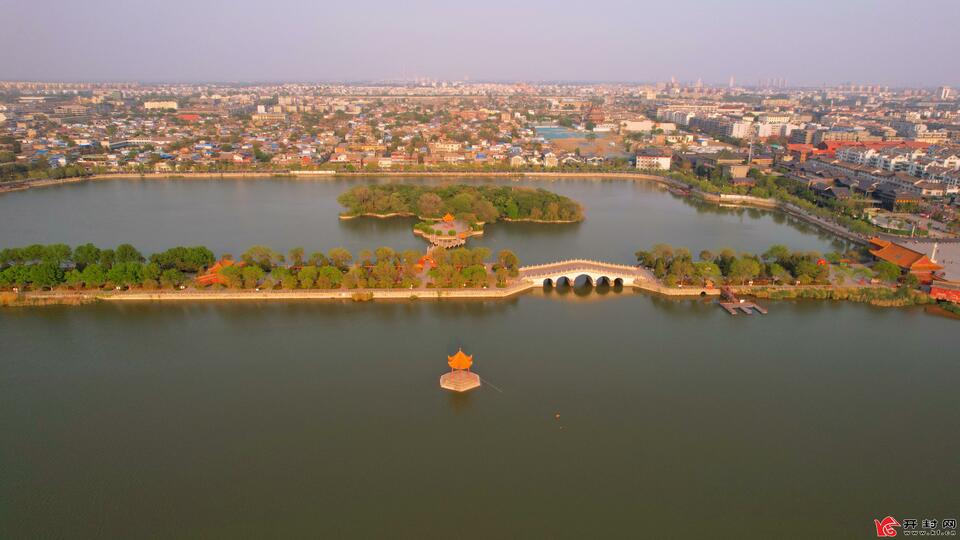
<point>735,306</point>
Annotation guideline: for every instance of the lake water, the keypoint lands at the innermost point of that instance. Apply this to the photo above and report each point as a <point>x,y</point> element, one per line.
<point>325,419</point>
<point>231,215</point>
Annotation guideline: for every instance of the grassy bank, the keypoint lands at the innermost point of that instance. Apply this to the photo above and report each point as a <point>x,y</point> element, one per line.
<point>875,296</point>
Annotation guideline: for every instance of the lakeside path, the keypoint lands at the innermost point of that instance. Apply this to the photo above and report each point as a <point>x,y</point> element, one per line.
<point>69,297</point>
<point>530,280</point>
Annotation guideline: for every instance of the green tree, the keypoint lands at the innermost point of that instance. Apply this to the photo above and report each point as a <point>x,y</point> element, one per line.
<point>262,256</point>
<point>318,259</point>
<point>296,256</point>
<point>85,254</point>
<point>307,277</point>
<point>744,269</point>
<point>778,273</point>
<point>107,258</point>
<point>707,271</point>
<point>94,276</point>
<point>681,268</point>
<point>429,204</point>
<point>886,271</point>
<point>662,251</point>
<point>171,278</point>
<point>286,277</point>
<point>73,279</point>
<point>776,252</point>
<point>45,275</point>
<point>508,260</point>
<point>340,258</point>
<point>660,269</point>
<point>329,277</point>
<point>58,254</point>
<point>151,274</point>
<point>126,274</point>
<point>252,274</point>
<point>126,253</point>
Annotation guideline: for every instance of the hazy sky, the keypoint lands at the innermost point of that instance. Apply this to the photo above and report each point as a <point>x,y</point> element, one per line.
<point>894,42</point>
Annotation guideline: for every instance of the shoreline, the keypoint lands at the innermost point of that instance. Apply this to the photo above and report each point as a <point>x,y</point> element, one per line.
<point>70,297</point>
<point>346,217</point>
<point>643,286</point>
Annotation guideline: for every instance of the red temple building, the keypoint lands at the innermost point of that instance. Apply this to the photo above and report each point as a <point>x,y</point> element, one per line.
<point>212,275</point>
<point>907,259</point>
<point>945,290</point>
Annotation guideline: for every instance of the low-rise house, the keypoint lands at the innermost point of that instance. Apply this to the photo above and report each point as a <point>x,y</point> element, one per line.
<point>654,159</point>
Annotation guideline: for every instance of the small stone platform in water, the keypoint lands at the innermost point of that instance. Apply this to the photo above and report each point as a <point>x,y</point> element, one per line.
<point>459,381</point>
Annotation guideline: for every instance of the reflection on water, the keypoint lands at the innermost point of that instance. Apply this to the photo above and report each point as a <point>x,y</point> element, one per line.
<point>460,401</point>
<point>777,217</point>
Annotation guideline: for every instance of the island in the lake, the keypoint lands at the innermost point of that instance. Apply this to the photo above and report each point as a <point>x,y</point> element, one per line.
<point>468,203</point>
<point>451,214</point>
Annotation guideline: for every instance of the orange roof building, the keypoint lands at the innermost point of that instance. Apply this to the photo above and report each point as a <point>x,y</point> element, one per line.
<point>460,378</point>
<point>212,275</point>
<point>460,360</point>
<point>448,218</point>
<point>907,259</point>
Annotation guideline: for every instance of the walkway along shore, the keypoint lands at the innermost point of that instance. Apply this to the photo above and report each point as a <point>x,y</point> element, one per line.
<point>68,297</point>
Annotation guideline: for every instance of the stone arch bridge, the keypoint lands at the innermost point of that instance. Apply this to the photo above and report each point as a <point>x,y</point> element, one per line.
<point>596,272</point>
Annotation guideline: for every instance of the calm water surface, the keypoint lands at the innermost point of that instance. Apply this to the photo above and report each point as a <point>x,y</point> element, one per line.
<point>231,215</point>
<point>325,420</point>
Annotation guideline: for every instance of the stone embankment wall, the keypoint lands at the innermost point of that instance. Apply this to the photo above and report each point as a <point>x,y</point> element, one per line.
<point>338,294</point>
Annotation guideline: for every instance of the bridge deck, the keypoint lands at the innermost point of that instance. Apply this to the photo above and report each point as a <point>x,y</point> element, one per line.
<point>584,266</point>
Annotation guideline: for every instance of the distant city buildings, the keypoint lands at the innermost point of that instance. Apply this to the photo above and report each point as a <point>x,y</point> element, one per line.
<point>160,105</point>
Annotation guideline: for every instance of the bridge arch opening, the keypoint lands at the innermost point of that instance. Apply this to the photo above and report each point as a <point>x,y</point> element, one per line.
<point>564,281</point>
<point>618,282</point>
<point>548,283</point>
<point>583,280</point>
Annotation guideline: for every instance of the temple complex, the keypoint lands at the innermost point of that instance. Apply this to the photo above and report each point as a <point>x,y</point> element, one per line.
<point>460,378</point>
<point>907,259</point>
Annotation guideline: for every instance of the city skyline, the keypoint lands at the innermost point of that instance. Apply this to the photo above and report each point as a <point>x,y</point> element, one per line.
<point>296,41</point>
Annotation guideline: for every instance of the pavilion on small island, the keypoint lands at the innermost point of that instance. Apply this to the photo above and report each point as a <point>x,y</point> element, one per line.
<point>460,378</point>
<point>450,232</point>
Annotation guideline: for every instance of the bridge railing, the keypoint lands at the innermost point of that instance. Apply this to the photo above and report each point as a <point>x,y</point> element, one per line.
<point>588,262</point>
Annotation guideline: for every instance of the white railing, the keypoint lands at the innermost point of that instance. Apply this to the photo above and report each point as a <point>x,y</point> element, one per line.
<point>589,263</point>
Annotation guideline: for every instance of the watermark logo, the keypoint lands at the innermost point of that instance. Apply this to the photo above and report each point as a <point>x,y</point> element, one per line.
<point>887,527</point>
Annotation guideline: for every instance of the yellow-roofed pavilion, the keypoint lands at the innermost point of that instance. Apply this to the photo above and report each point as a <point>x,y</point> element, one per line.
<point>460,378</point>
